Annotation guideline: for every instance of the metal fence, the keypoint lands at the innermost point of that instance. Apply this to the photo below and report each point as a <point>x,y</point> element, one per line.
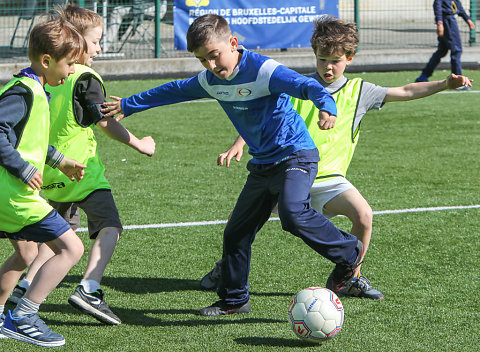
<point>144,29</point>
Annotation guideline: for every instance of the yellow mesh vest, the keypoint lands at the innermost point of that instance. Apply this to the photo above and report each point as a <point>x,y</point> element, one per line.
<point>20,205</point>
<point>75,142</point>
<point>337,145</point>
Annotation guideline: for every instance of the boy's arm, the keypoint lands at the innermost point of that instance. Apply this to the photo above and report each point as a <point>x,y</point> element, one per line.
<point>286,80</point>
<point>423,89</point>
<point>463,14</point>
<point>13,109</point>
<point>235,151</point>
<point>115,130</point>
<point>169,93</point>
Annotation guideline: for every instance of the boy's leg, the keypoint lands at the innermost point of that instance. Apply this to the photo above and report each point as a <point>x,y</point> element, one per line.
<point>23,323</point>
<point>352,204</point>
<point>441,51</point>
<point>105,228</point>
<point>13,268</point>
<point>455,45</point>
<point>251,211</point>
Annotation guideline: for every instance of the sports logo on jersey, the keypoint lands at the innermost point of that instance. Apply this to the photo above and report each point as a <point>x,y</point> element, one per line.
<point>244,92</point>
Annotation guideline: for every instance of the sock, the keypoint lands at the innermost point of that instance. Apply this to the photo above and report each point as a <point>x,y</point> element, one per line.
<point>90,285</point>
<point>25,308</point>
<point>24,284</point>
<point>2,309</point>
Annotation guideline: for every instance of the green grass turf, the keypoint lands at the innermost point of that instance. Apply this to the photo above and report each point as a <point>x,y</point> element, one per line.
<point>413,154</point>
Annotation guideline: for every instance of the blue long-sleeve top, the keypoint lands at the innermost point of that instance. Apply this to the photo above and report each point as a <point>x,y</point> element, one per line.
<point>443,8</point>
<point>255,98</point>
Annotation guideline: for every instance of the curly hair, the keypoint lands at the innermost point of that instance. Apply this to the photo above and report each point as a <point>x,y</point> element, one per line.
<point>334,36</point>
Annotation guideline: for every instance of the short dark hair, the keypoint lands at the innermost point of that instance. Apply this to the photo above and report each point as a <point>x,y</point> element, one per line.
<point>58,38</point>
<point>332,35</point>
<point>206,28</point>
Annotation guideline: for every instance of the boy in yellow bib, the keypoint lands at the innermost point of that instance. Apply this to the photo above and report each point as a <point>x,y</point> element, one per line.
<point>25,216</point>
<point>334,43</point>
<point>75,110</point>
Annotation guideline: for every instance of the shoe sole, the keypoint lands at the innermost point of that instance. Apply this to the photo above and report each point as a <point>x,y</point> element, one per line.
<point>84,307</point>
<point>16,336</point>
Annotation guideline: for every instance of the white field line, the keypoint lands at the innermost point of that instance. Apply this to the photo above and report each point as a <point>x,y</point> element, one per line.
<point>218,222</point>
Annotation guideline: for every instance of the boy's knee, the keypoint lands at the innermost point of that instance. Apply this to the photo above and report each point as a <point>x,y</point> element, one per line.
<point>365,218</point>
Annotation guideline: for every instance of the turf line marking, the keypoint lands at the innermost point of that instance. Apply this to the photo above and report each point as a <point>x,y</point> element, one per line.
<point>219,222</point>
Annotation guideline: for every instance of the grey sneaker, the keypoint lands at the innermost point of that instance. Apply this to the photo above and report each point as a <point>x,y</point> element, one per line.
<point>31,329</point>
<point>2,319</point>
<point>340,279</point>
<point>211,281</point>
<point>17,294</point>
<point>94,305</point>
<point>221,308</point>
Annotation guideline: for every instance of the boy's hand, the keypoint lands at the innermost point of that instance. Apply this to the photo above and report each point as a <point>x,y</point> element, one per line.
<point>325,120</point>
<point>440,29</point>
<point>72,168</point>
<point>36,181</point>
<point>234,151</point>
<point>113,108</point>
<point>457,81</point>
<point>146,146</point>
<point>471,25</point>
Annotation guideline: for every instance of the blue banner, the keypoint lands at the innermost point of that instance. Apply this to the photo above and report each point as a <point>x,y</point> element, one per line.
<point>265,24</point>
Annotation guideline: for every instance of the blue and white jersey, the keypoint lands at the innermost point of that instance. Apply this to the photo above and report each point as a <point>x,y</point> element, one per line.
<point>255,98</point>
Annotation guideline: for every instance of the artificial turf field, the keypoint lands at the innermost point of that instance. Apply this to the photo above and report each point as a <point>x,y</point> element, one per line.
<point>411,155</point>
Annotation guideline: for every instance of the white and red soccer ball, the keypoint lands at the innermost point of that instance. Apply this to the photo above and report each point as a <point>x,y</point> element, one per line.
<point>316,314</point>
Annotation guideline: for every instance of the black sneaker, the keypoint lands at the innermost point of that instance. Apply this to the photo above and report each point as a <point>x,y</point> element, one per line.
<point>221,308</point>
<point>340,279</point>
<point>17,294</point>
<point>31,329</point>
<point>361,287</point>
<point>94,305</point>
<point>211,281</point>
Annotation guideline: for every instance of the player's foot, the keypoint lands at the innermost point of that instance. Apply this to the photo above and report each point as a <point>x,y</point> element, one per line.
<point>211,281</point>
<point>340,280</point>
<point>422,78</point>
<point>31,329</point>
<point>17,294</point>
<point>464,88</point>
<point>221,308</point>
<point>361,287</point>
<point>2,319</point>
<point>94,305</point>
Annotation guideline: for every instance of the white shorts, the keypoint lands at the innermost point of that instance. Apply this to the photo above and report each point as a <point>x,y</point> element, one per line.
<point>324,191</point>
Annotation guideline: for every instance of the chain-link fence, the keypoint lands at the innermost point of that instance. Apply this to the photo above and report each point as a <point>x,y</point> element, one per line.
<point>144,28</point>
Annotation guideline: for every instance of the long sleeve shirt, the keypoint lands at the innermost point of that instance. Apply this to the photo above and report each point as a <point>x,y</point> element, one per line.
<point>443,8</point>
<point>255,98</point>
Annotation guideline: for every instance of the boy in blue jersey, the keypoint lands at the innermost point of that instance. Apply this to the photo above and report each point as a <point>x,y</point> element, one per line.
<point>334,43</point>
<point>448,37</point>
<point>25,216</point>
<point>252,89</point>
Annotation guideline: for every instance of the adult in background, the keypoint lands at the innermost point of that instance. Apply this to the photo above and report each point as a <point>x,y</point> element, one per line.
<point>448,37</point>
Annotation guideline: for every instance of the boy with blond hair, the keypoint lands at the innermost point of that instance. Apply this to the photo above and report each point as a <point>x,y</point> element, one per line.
<point>75,110</point>
<point>54,46</point>
<point>255,91</point>
<point>334,43</point>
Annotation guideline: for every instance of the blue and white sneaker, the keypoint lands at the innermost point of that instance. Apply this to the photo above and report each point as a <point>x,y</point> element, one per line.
<point>2,318</point>
<point>31,329</point>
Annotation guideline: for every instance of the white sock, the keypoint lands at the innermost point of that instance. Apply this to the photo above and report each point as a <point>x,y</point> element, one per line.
<point>25,308</point>
<point>90,285</point>
<point>24,284</point>
<point>2,309</point>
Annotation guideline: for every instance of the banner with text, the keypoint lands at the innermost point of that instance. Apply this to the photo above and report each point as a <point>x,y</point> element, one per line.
<point>266,24</point>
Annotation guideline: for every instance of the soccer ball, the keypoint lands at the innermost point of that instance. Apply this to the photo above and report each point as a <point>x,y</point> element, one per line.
<point>316,314</point>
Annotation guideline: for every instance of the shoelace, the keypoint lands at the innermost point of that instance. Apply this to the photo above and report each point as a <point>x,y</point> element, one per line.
<point>363,283</point>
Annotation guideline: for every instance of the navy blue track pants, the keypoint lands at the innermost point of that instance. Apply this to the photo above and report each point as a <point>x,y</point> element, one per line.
<point>287,183</point>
